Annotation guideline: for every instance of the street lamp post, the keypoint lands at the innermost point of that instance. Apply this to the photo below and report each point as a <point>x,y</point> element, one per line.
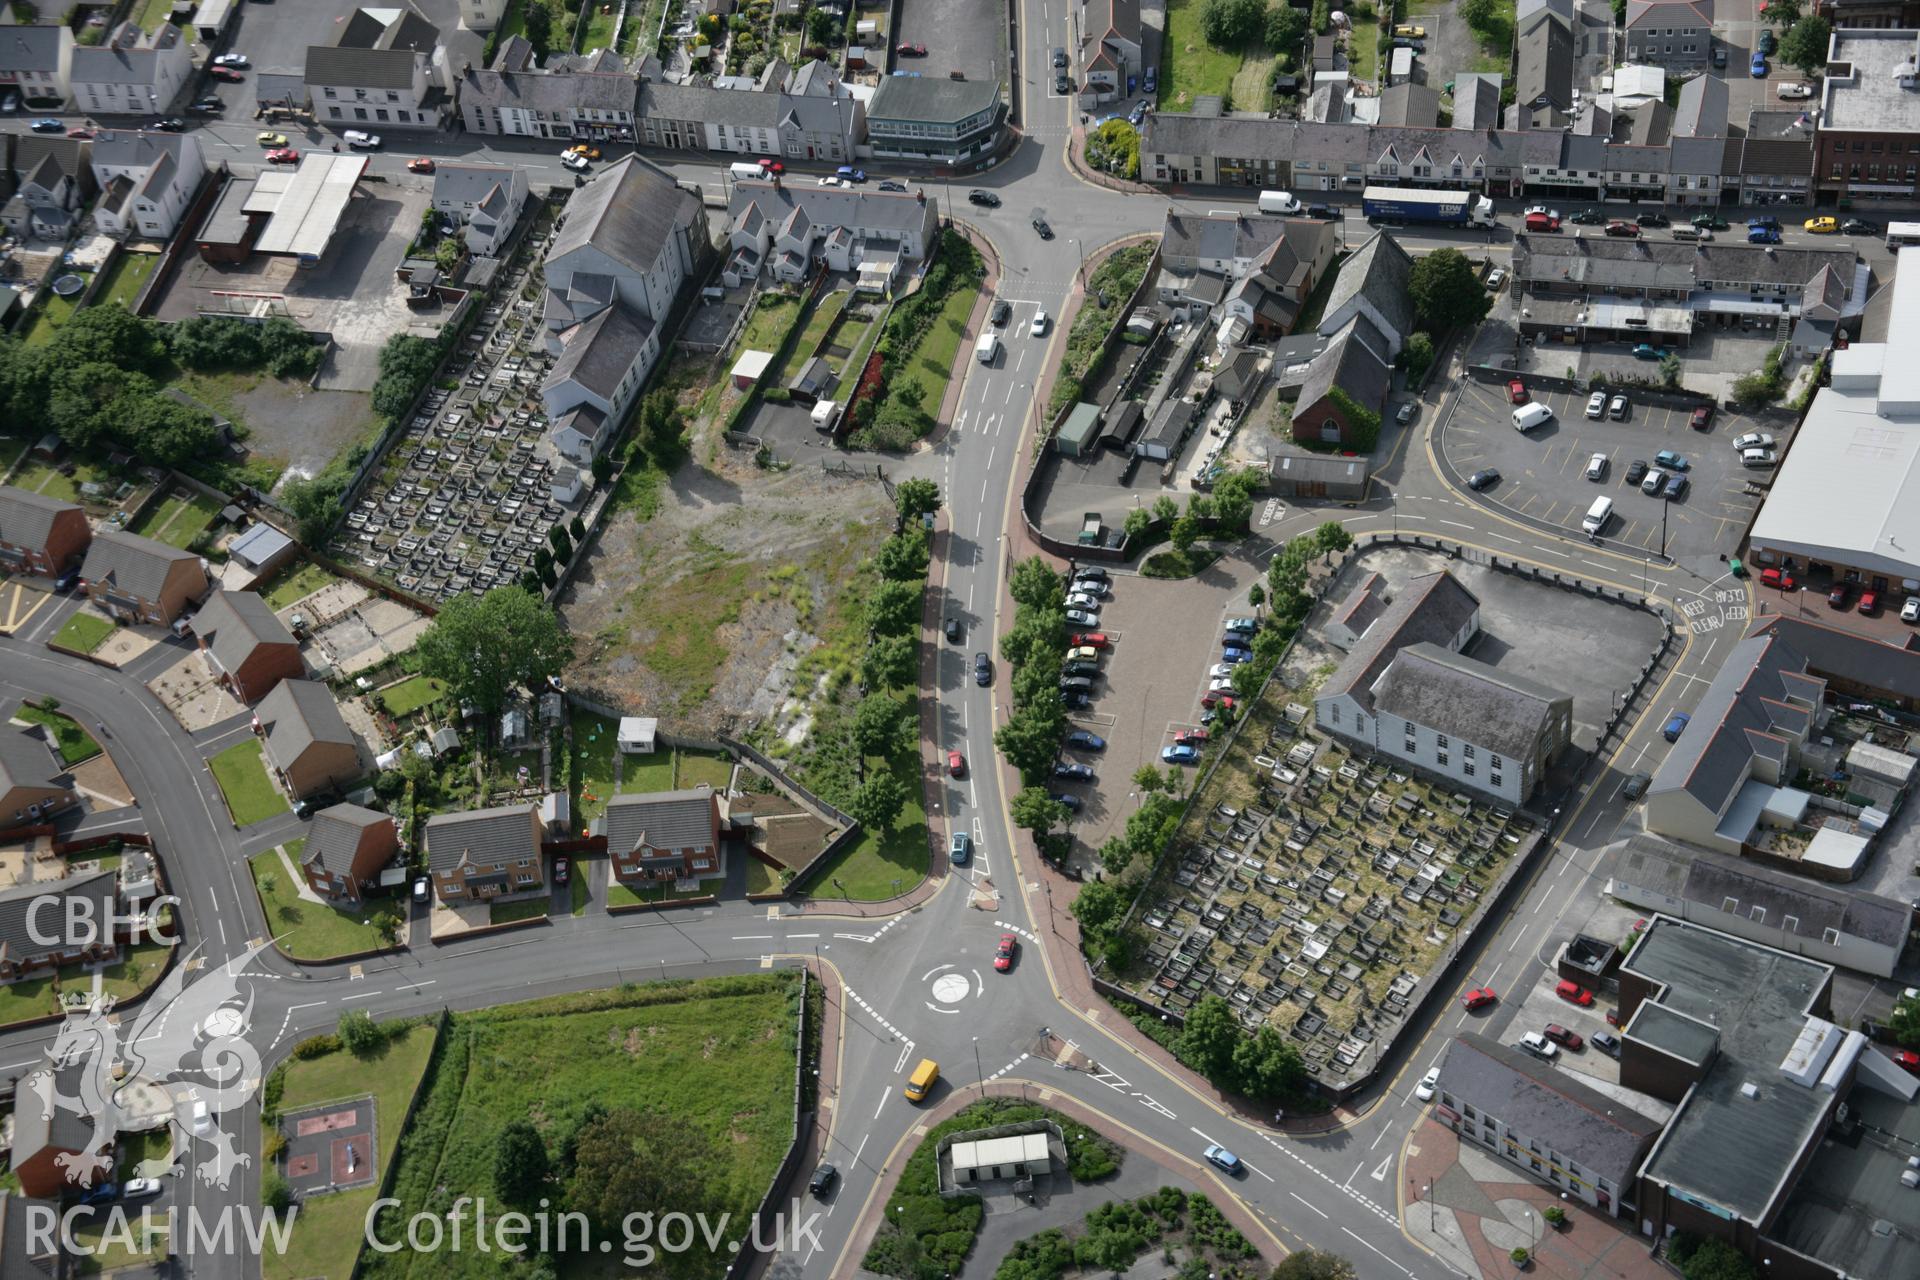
<point>979,1070</point>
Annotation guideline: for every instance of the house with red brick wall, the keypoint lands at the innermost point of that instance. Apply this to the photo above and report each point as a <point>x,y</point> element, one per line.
<point>486,853</point>
<point>139,580</point>
<point>43,1131</point>
<point>665,835</point>
<point>307,742</point>
<point>245,646</point>
<point>39,534</point>
<point>32,782</point>
<point>346,849</point>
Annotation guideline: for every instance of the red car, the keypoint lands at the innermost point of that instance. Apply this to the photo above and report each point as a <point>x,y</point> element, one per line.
<point>1573,993</point>
<point>1218,698</point>
<point>911,49</point>
<point>283,155</point>
<point>1517,391</point>
<point>81,133</point>
<point>226,73</point>
<point>1779,578</point>
<point>1478,998</point>
<point>1564,1038</point>
<point>1839,596</point>
<point>771,166</point>
<point>1623,229</point>
<point>1869,602</point>
<point>561,870</point>
<point>1191,738</point>
<point>1092,639</point>
<point>1003,954</point>
<point>1701,418</point>
<point>1907,1060</point>
<point>420,164</point>
<point>956,764</point>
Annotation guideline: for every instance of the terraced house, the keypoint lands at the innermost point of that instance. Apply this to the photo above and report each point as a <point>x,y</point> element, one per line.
<point>136,579</point>
<point>805,114</point>
<point>485,853</point>
<point>146,181</point>
<point>36,60</point>
<point>590,96</point>
<point>39,534</point>
<point>385,66</point>
<point>133,73</point>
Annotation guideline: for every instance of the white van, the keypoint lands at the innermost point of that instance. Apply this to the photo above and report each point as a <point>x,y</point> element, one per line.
<point>746,172</point>
<point>360,141</point>
<point>987,348</point>
<point>1597,515</point>
<point>1529,416</point>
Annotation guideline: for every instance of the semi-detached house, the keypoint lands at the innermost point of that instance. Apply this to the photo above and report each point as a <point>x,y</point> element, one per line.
<point>485,853</point>
<point>146,181</point>
<point>39,534</point>
<point>139,580</point>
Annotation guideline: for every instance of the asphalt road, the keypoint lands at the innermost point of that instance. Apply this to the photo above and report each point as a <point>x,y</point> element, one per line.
<point>922,985</point>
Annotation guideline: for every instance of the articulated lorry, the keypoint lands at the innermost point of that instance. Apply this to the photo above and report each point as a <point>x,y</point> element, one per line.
<point>1413,204</point>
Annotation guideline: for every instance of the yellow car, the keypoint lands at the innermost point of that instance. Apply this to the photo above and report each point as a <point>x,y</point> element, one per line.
<point>1822,226</point>
<point>1410,33</point>
<point>582,149</point>
<point>271,139</point>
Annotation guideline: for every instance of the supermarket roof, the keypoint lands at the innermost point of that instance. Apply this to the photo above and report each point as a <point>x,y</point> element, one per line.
<point>306,204</point>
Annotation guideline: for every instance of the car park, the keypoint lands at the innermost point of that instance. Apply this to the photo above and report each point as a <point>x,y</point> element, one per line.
<point>1617,408</point>
<point>1636,471</point>
<point>1073,770</point>
<point>1091,573</point>
<point>1242,626</point>
<point>1597,467</point>
<point>1538,1045</point>
<point>1076,684</point>
<point>1083,653</point>
<point>1218,683</point>
<point>1564,1038</point>
<point>1793,91</point>
<point>1093,587</point>
<point>1059,55</point>
<point>1219,698</point>
<point>959,848</point>
<point>1910,611</point>
<point>1220,670</point>
<point>1597,405</point>
<point>1478,998</point>
<point>1765,43</point>
<point>1410,32</point>
<point>1003,954</point>
<point>1084,667</point>
<point>985,199</point>
<point>1191,737</point>
<point>1061,84</point>
<point>956,765</point>
<point>1081,740</point>
<point>1235,654</point>
<point>1179,754</point>
<point>1484,478</point>
<point>1672,461</point>
<point>1151,84</point>
<point>982,669</point>
<point>1428,1083</point>
<point>1572,992</point>
<point>1701,418</point>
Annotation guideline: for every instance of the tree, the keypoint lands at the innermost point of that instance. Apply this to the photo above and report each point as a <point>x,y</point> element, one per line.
<point>1036,811</point>
<point>1267,1066</point>
<point>916,498</point>
<point>275,1192</point>
<point>1312,1264</point>
<point>1783,13</point>
<point>1905,1021</point>
<point>406,363</point>
<point>1715,1260</point>
<point>1148,779</point>
<point>1286,29</point>
<point>878,801</point>
<point>1036,585</point>
<point>880,725</point>
<point>1209,1039</point>
<point>1233,498</point>
<point>1098,906</point>
<point>891,662</point>
<point>661,424</point>
<point>894,607</point>
<point>578,528</point>
<point>1136,523</point>
<point>1034,638</point>
<point>1256,596</point>
<point>628,1161</point>
<point>904,556</point>
<point>537,23</point>
<point>520,1165</point>
<point>1419,354</point>
<point>1030,738</point>
<point>1332,537</point>
<point>485,647</point>
<point>820,25</point>
<point>1165,509</point>
<point>1446,291</point>
<point>1185,532</point>
<point>561,541</point>
<point>358,1033</point>
<point>1670,370</point>
<point>1478,13</point>
<point>1228,24</point>
<point>1805,43</point>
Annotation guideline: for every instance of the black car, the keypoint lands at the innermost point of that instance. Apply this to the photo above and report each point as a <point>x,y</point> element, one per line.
<point>1081,740</point>
<point>1071,802</point>
<point>168,124</point>
<point>1059,55</point>
<point>893,186</point>
<point>1483,479</point>
<point>953,630</point>
<point>1859,227</point>
<point>982,669</point>
<point>822,1181</point>
<point>1636,471</point>
<point>1636,786</point>
<point>986,199</point>
<point>1073,769</point>
<point>1321,211</point>
<point>1654,220</point>
<point>1073,699</point>
<point>207,107</point>
<point>1002,311</point>
<point>1040,225</point>
<point>1081,667</point>
<point>1061,84</point>
<point>1589,217</point>
<point>1090,573</point>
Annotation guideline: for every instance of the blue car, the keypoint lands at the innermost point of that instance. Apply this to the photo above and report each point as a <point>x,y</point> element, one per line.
<point>1224,1158</point>
<point>1668,460</point>
<point>960,849</point>
<point>1072,802</point>
<point>1081,740</point>
<point>1647,351</point>
<point>1179,755</point>
<point>1758,68</point>
<point>1676,726</point>
<point>1232,656</point>
<point>47,124</point>
<point>1762,235</point>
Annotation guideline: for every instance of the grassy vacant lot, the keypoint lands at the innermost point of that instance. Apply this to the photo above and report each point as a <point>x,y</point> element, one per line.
<point>242,775</point>
<point>38,997</point>
<point>178,519</point>
<point>74,743</point>
<point>411,694</point>
<point>1189,66</point>
<point>1496,40</point>
<point>932,362</point>
<point>327,1233</point>
<point>308,930</point>
<point>295,582</point>
<point>691,768</point>
<point>597,31</point>
<point>1118,276</point>
<point>884,863</point>
<point>83,632</point>
<point>660,1045</point>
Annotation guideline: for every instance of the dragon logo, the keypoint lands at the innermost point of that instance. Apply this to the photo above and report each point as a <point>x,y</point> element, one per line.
<point>186,1043</point>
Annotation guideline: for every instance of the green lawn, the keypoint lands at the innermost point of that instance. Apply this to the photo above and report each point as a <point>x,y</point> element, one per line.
<point>242,774</point>
<point>137,1149</point>
<point>151,13</point>
<point>696,767</point>
<point>761,878</point>
<point>411,694</point>
<point>327,1232</point>
<point>819,322</point>
<point>867,871</point>
<point>597,32</point>
<point>716,1056</point>
<point>74,743</point>
<point>38,997</point>
<point>594,739</point>
<point>178,519</point>
<point>767,328</point>
<point>1496,40</point>
<point>620,895</point>
<point>295,582</point>
<point>308,930</point>
<point>43,477</point>
<point>1189,66</point>
<point>83,632</point>
<point>932,362</point>
<point>50,312</point>
<point>641,774</point>
<point>510,912</point>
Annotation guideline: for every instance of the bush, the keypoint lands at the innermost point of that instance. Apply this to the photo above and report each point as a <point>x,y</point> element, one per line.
<point>359,1034</point>
<point>317,1046</point>
<point>275,1191</point>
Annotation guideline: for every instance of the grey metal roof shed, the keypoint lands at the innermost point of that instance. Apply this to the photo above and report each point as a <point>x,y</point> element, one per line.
<point>1077,435</point>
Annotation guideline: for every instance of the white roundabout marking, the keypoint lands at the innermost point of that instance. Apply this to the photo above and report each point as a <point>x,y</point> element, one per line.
<point>950,988</point>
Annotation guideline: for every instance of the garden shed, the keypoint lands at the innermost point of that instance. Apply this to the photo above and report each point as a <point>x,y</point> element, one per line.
<point>1077,435</point>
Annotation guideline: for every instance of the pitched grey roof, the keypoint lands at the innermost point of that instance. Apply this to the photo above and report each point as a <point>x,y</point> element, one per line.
<point>38,1122</point>
<point>1846,656</point>
<point>295,716</point>
<point>1703,109</point>
<point>1756,701</point>
<point>359,68</point>
<point>549,90</point>
<point>135,565</point>
<point>1465,698</point>
<point>736,108</point>
<point>25,1251</point>
<point>629,211</point>
<point>1184,134</point>
<point>1541,1101</point>
<point>26,518</point>
<point>666,820</point>
<point>130,56</point>
<point>1429,609</point>
<point>1410,104</point>
<point>1476,100</point>
<point>470,183</point>
<point>25,760</point>
<point>1709,878</point>
<point>335,834</point>
<point>1355,360</point>
<point>134,147</point>
<point>859,209</point>
<point>1380,270</point>
<point>600,350</point>
<point>18,927</point>
<point>814,78</point>
<point>30,150</point>
<point>234,624</point>
<point>931,100</point>
<point>1669,13</point>
<point>506,833</point>
<point>1777,143</point>
<point>1186,236</point>
<point>1600,262</point>
<point>1545,70</point>
<point>30,47</point>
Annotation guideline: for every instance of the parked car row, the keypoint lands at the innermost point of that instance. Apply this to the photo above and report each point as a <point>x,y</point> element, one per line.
<point>1087,591</point>
<point>1236,647</point>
